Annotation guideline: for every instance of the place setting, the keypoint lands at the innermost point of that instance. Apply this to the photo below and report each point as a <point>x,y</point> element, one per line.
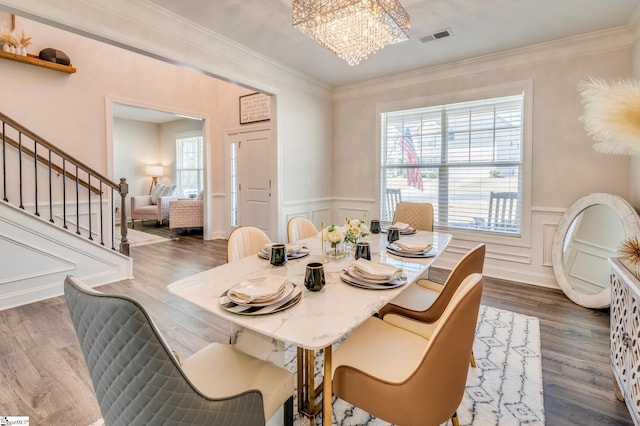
<point>363,273</point>
<point>260,296</point>
<point>411,249</point>
<point>403,228</point>
<point>293,251</point>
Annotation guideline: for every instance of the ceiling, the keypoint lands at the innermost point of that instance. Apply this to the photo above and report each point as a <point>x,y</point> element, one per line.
<point>479,27</point>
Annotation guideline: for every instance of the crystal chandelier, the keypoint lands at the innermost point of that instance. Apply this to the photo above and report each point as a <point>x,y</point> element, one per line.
<point>352,29</point>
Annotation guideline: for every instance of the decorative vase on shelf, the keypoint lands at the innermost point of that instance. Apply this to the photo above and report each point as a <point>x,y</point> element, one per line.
<point>6,48</point>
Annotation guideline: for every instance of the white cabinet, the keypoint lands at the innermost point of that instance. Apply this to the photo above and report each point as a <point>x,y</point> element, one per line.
<point>625,336</point>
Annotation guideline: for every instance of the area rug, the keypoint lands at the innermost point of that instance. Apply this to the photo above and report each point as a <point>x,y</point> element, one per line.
<point>139,238</point>
<point>505,389</point>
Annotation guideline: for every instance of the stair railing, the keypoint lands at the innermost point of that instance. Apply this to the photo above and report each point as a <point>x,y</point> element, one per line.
<point>29,162</point>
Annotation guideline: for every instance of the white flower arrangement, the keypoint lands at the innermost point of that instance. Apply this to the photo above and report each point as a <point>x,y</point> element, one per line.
<point>334,234</point>
<point>355,229</point>
<point>350,232</point>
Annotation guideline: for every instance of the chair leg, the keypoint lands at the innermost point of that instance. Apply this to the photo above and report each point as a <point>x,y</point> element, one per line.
<point>288,412</point>
<point>473,360</point>
<point>454,419</point>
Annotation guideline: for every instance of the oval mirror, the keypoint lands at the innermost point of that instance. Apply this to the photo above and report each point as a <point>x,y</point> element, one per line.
<point>588,234</point>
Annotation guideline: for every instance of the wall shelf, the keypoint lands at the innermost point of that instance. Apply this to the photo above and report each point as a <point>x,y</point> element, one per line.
<point>34,60</point>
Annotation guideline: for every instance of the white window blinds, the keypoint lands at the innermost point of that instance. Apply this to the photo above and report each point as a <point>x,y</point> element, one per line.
<point>464,158</point>
<point>189,176</point>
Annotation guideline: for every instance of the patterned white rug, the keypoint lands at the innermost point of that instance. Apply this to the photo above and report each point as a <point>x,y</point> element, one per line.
<point>505,389</point>
<point>139,238</point>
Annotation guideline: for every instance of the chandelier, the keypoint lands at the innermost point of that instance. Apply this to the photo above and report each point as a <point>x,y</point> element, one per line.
<point>352,29</point>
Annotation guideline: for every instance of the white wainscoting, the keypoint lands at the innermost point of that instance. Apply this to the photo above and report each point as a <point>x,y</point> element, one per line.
<point>318,211</point>
<point>528,262</point>
<point>37,256</point>
<point>216,217</point>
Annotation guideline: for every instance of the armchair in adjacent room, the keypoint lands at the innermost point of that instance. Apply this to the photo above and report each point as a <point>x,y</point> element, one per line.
<point>154,206</point>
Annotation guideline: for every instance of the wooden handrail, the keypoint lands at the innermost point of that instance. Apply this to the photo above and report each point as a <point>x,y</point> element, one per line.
<point>122,188</point>
<point>58,151</point>
<point>45,161</point>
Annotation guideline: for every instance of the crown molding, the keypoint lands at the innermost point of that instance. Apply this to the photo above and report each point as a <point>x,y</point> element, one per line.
<point>146,28</point>
<point>586,44</point>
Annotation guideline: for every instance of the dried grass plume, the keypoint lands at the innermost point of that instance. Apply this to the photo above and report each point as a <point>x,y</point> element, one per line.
<point>612,115</point>
<point>629,250</point>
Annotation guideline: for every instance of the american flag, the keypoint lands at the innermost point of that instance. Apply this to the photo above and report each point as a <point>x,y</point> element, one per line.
<point>414,177</point>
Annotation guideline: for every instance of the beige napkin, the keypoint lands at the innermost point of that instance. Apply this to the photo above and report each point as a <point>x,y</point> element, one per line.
<point>401,226</point>
<point>413,246</point>
<point>376,271</point>
<point>259,291</point>
<point>290,248</point>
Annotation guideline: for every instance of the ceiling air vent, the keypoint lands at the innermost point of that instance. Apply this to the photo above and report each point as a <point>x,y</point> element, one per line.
<point>436,36</point>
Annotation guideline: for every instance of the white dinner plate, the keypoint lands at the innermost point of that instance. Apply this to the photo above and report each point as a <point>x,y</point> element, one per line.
<point>394,249</point>
<point>409,231</point>
<point>286,291</point>
<point>228,305</point>
<point>353,272</point>
<point>356,282</point>
<point>292,256</point>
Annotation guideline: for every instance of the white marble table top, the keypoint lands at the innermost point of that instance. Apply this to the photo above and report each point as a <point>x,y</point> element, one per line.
<point>320,318</point>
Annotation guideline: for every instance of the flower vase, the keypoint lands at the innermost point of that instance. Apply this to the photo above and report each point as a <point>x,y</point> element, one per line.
<point>348,248</point>
<point>335,251</point>
<point>6,48</point>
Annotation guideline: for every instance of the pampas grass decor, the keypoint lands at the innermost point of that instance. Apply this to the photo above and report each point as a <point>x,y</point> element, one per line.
<point>612,115</point>
<point>629,252</point>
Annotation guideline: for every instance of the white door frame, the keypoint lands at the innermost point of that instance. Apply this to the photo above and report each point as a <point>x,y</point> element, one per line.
<point>206,149</point>
<point>231,135</point>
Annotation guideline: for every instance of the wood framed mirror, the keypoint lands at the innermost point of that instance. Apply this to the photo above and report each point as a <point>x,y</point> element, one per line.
<point>588,234</point>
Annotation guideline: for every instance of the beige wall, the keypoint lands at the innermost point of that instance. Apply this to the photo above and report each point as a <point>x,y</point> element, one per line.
<point>302,120</point>
<point>564,167</point>
<point>326,139</point>
<point>135,144</point>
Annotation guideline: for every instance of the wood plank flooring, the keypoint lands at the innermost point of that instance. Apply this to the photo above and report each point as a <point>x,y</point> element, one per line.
<point>43,376</point>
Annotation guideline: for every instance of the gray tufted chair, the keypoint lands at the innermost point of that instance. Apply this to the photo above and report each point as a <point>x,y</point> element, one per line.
<point>138,380</point>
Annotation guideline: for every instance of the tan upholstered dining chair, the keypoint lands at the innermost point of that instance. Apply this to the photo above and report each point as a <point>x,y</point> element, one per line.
<point>418,215</point>
<point>139,381</point>
<point>300,228</point>
<point>245,241</point>
<point>403,378</point>
<point>425,301</point>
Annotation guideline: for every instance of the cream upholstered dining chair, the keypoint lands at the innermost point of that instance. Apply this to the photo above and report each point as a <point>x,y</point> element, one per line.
<point>300,228</point>
<point>245,241</point>
<point>418,215</point>
<point>139,381</point>
<point>403,378</point>
<point>425,301</point>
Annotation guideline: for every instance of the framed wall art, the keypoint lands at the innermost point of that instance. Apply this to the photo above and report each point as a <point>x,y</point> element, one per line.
<point>255,107</point>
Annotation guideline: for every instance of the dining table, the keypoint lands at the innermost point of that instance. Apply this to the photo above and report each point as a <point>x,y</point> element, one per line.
<point>313,321</point>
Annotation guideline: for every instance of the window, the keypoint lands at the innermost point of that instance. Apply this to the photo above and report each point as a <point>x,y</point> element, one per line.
<point>189,173</point>
<point>464,158</point>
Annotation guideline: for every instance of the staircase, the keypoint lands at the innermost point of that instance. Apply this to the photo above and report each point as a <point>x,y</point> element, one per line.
<point>57,218</point>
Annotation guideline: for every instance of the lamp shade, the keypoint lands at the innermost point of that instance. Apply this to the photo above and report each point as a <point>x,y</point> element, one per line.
<point>153,170</point>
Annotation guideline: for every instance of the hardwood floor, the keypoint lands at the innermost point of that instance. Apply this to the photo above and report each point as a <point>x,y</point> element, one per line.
<point>43,376</point>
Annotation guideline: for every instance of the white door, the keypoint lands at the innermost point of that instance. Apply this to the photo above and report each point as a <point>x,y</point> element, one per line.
<point>253,179</point>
